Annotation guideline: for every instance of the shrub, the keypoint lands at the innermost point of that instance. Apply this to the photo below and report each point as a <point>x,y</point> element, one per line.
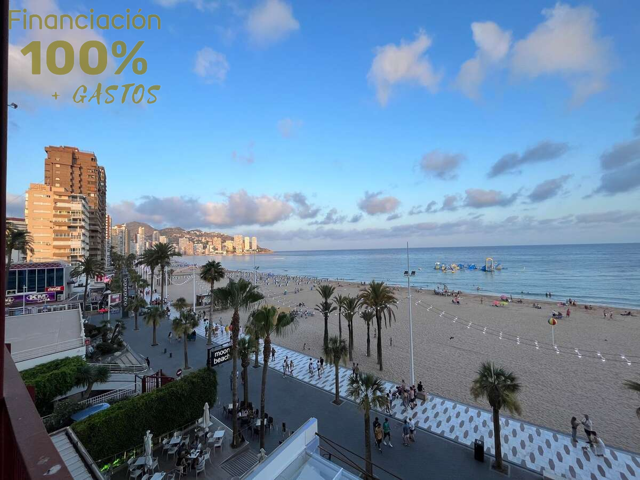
<point>61,416</point>
<point>91,330</point>
<point>52,379</point>
<point>123,426</point>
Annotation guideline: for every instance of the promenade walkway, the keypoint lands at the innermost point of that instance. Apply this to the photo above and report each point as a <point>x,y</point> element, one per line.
<point>523,444</point>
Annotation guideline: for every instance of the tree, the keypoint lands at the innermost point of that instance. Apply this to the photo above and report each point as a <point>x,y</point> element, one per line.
<point>368,392</point>
<point>19,240</point>
<point>236,295</point>
<point>149,259</point>
<point>163,253</point>
<point>90,374</point>
<point>268,321</point>
<point>246,346</point>
<point>211,272</point>
<point>350,306</point>
<point>180,304</point>
<point>336,352</point>
<point>135,306</point>
<point>183,325</point>
<point>142,285</point>
<point>339,301</point>
<point>253,331</point>
<point>90,268</point>
<point>325,308</point>
<point>153,317</point>
<point>500,388</point>
<point>634,387</point>
<point>379,298</point>
<point>368,316</point>
<point>118,330</point>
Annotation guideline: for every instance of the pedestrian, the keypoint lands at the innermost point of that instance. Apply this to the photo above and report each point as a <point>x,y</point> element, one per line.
<point>291,368</point>
<point>376,422</point>
<point>387,407</point>
<point>148,362</point>
<point>386,429</point>
<point>390,341</point>
<point>588,427</point>
<point>322,364</point>
<point>377,431</point>
<point>310,369</point>
<point>285,366</point>
<point>405,433</point>
<point>412,430</point>
<point>170,336</point>
<point>599,445</point>
<point>574,429</point>
<point>273,353</point>
<point>319,369</point>
<point>357,371</point>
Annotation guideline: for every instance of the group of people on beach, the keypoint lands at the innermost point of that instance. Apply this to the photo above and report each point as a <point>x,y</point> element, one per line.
<point>382,432</point>
<point>593,440</point>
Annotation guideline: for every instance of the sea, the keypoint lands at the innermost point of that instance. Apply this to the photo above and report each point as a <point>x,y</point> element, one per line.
<point>606,274</point>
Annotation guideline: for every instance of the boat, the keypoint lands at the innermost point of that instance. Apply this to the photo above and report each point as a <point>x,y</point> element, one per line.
<point>437,266</point>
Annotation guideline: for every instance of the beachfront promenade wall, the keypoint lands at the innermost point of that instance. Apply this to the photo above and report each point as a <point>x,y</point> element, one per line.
<point>530,446</point>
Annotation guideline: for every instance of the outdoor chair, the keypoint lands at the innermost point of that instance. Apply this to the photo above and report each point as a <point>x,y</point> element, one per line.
<point>172,450</point>
<point>134,472</point>
<point>165,445</point>
<point>270,423</point>
<point>200,468</point>
<point>207,456</point>
<point>218,444</point>
<point>146,477</point>
<point>154,465</point>
<point>185,441</point>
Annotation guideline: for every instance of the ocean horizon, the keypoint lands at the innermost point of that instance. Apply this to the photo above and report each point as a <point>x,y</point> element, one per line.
<point>599,274</point>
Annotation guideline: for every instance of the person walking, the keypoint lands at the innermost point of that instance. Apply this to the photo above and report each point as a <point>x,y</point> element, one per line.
<point>405,433</point>
<point>285,366</point>
<point>588,427</point>
<point>574,429</point>
<point>311,369</point>
<point>291,368</point>
<point>387,407</point>
<point>322,364</point>
<point>148,362</point>
<point>319,369</point>
<point>412,430</point>
<point>273,353</point>
<point>386,429</point>
<point>378,435</point>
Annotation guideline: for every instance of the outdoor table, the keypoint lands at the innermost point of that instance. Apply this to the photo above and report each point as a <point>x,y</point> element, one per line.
<point>158,476</point>
<point>193,454</point>
<point>258,422</point>
<point>218,434</point>
<point>140,461</point>
<point>175,440</point>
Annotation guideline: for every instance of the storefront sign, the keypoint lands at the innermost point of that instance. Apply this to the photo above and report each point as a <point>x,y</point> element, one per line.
<point>30,298</point>
<point>220,356</point>
<point>55,289</point>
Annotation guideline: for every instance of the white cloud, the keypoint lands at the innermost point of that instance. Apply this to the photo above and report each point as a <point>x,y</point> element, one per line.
<point>22,80</point>
<point>271,21</point>
<point>406,63</point>
<point>567,43</point>
<point>288,127</point>
<point>493,46</point>
<point>373,203</point>
<point>210,65</point>
<point>441,164</point>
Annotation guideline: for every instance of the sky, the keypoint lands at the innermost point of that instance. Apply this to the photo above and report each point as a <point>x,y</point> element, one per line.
<point>359,124</point>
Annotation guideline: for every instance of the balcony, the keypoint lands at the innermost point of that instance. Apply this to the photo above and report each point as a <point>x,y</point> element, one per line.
<point>26,451</point>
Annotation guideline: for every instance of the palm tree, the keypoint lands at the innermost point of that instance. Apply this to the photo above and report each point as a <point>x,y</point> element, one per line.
<point>379,298</point>
<point>118,330</point>
<point>350,306</point>
<point>153,317</point>
<point>246,346</point>
<point>500,388</point>
<point>254,332</point>
<point>135,306</point>
<point>90,268</point>
<point>142,285</point>
<point>336,352</point>
<point>325,308</point>
<point>211,272</point>
<point>163,253</point>
<point>635,387</point>
<point>268,321</point>
<point>149,259</point>
<point>182,326</point>
<point>180,304</point>
<point>339,300</point>
<point>90,374</point>
<point>368,392</point>
<point>240,295</point>
<point>16,239</point>
<point>368,316</point>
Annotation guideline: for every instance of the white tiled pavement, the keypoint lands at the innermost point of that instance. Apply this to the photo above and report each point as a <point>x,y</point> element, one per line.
<point>523,444</point>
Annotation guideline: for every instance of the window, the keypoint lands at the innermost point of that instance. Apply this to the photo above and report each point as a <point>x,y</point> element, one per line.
<point>51,277</point>
<point>11,284</point>
<point>31,281</point>
<point>22,280</point>
<point>41,275</point>
<point>59,277</point>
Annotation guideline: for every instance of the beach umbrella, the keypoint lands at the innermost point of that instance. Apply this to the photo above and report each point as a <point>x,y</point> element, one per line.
<point>503,297</point>
<point>148,449</point>
<point>205,418</point>
<point>553,322</point>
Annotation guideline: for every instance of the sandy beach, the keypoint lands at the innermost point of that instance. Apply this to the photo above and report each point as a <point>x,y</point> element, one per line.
<point>556,386</point>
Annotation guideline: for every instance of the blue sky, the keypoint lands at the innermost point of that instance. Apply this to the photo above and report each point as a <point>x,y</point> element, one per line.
<point>325,124</point>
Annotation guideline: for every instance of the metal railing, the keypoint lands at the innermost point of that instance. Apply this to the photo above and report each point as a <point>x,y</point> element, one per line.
<point>120,368</point>
<point>40,309</point>
<point>119,394</point>
<point>47,350</point>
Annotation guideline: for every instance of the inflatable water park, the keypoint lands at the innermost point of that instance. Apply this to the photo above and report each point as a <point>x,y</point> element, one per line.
<point>489,266</point>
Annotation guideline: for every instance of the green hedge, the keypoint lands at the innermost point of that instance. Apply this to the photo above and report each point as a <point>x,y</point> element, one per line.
<point>123,425</point>
<point>52,379</point>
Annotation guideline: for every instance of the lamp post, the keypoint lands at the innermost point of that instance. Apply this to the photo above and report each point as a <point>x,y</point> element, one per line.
<point>255,270</point>
<point>194,288</point>
<point>410,273</point>
<point>24,299</point>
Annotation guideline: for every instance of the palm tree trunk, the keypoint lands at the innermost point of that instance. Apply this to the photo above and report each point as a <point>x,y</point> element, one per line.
<point>151,294</point>
<point>186,354</point>
<point>235,324</point>
<point>368,340</point>
<point>209,341</point>
<point>367,445</point>
<point>350,327</point>
<point>87,392</point>
<point>337,366</point>
<point>326,330</point>
<point>256,364</point>
<point>263,388</point>
<point>162,290</point>
<point>135,320</point>
<point>340,324</point>
<point>155,342</point>
<point>379,322</point>
<point>245,375</point>
<point>496,438</point>
<point>86,287</point>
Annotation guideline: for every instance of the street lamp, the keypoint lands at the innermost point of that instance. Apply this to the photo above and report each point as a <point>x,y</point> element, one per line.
<point>13,105</point>
<point>255,270</point>
<point>410,273</point>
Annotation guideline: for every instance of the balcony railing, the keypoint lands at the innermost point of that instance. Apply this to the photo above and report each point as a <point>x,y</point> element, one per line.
<point>26,451</point>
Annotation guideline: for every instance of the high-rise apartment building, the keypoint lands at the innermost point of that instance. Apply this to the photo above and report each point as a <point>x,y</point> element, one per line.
<point>79,173</point>
<point>107,243</point>
<point>185,246</point>
<point>155,237</point>
<point>217,244</point>
<point>247,244</point>
<point>229,246</point>
<point>162,239</point>
<point>59,222</point>
<point>198,249</point>
<point>254,244</point>
<point>120,239</point>
<point>238,243</point>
